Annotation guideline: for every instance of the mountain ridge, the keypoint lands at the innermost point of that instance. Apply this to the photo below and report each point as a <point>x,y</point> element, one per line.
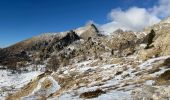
<point>83,64</point>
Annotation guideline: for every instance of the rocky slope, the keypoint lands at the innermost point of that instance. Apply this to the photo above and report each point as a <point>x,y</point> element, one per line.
<point>40,47</point>
<point>84,64</point>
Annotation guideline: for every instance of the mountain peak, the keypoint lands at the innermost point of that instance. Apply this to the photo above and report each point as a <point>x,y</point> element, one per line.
<point>92,26</point>
<point>87,31</point>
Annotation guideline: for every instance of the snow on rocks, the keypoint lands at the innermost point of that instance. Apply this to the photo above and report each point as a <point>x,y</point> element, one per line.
<point>115,95</point>
<point>108,66</point>
<point>150,82</point>
<point>84,66</point>
<point>143,46</point>
<point>147,64</point>
<point>162,70</point>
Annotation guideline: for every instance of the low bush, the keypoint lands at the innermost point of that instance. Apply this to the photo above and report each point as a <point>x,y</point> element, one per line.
<point>92,94</point>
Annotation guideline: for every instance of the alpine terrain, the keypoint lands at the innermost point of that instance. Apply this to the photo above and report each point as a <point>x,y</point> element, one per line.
<point>84,63</point>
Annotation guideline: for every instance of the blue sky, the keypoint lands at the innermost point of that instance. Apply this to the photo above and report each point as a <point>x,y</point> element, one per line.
<point>22,19</point>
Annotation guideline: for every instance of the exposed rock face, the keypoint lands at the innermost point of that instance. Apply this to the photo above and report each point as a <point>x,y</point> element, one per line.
<point>123,44</point>
<point>59,44</point>
<point>162,42</point>
<point>87,32</point>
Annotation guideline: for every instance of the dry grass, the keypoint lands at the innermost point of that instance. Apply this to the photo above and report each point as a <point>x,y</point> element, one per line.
<point>24,91</point>
<point>46,84</point>
<point>141,80</point>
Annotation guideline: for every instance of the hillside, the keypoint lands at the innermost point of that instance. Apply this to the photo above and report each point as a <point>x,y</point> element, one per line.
<point>85,64</point>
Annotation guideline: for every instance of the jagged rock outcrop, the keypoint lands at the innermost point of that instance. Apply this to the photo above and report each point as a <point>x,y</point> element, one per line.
<point>87,31</point>
<point>58,44</point>
<point>123,43</point>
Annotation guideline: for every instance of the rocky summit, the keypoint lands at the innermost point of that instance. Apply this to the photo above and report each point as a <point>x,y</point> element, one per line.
<point>84,64</point>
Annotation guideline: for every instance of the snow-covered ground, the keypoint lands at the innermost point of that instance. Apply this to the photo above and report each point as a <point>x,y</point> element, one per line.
<point>121,85</point>
<point>11,82</point>
<point>118,81</point>
<point>16,80</point>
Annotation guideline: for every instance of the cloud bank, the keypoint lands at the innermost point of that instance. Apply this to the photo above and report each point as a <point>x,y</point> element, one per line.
<point>162,9</point>
<point>135,18</point>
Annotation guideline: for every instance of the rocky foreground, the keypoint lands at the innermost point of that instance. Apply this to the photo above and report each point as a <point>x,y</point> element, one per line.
<point>85,64</point>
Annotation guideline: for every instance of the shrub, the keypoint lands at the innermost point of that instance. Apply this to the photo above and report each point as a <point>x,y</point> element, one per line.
<point>92,94</point>
<point>151,36</point>
<point>163,78</point>
<point>167,62</point>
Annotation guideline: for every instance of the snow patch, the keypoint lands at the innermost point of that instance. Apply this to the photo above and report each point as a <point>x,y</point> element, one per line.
<point>16,80</point>
<point>115,95</point>
<point>149,82</point>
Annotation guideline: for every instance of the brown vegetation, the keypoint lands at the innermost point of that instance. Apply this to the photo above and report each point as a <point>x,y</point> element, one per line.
<point>92,94</point>
<point>163,78</point>
<point>167,62</point>
<point>53,64</point>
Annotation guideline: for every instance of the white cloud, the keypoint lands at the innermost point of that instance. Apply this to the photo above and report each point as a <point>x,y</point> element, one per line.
<point>162,9</point>
<point>132,19</point>
<point>135,18</point>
